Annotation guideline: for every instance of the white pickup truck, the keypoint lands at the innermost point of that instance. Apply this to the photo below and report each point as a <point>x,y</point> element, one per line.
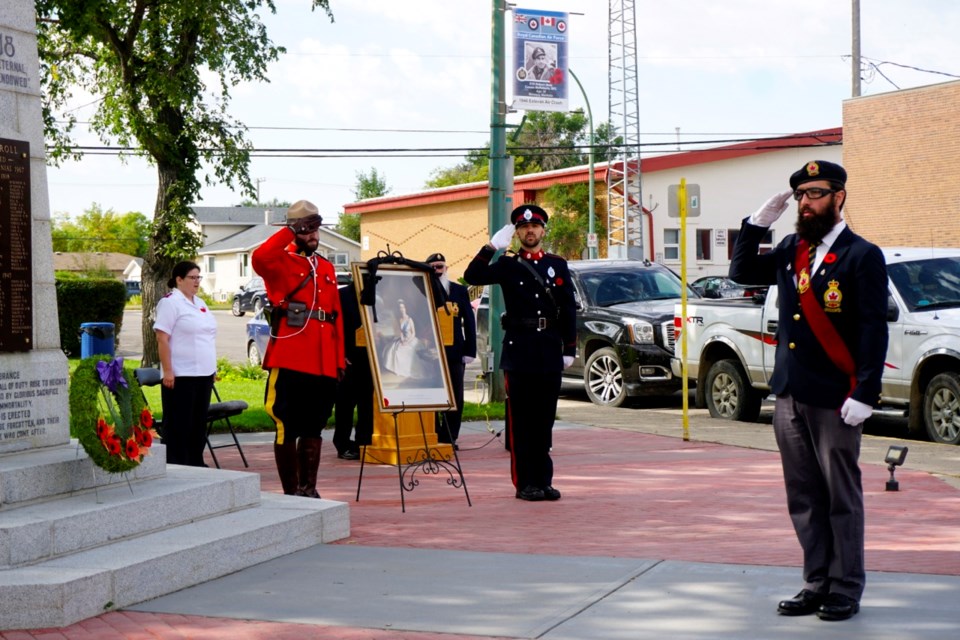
<point>731,344</point>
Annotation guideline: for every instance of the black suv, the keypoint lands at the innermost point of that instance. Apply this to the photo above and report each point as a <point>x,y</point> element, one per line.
<point>251,297</point>
<point>624,329</point>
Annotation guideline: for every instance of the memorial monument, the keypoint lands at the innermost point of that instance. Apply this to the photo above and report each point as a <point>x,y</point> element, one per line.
<point>76,541</point>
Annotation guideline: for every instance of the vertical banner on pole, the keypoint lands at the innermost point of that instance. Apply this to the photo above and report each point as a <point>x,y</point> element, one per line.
<point>540,60</point>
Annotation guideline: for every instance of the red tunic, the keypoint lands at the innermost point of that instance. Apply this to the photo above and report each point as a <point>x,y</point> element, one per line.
<point>317,347</point>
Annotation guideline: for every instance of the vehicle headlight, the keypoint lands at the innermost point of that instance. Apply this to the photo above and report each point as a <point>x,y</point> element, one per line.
<point>640,332</point>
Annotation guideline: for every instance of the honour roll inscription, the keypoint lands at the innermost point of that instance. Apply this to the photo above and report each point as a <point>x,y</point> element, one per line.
<point>16,273</point>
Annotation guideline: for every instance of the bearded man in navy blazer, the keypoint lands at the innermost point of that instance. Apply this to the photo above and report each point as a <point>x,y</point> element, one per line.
<point>831,342</point>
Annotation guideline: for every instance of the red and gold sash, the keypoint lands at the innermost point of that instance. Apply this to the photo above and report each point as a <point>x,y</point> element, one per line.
<point>820,324</point>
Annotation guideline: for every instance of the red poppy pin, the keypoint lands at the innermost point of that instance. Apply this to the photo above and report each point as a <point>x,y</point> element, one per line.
<point>830,258</point>
<point>203,310</point>
<point>559,282</point>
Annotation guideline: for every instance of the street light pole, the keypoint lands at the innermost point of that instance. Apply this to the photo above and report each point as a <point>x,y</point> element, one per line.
<point>591,250</point>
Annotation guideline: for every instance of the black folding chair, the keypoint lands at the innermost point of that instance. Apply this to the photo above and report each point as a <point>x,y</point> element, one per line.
<point>219,410</point>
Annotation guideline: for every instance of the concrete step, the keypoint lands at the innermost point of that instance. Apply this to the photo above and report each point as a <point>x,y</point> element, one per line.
<point>50,528</point>
<point>65,589</point>
<point>49,472</point>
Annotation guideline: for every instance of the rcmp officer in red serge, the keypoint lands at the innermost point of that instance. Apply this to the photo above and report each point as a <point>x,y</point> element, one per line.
<point>540,340</point>
<point>305,354</point>
<point>831,344</point>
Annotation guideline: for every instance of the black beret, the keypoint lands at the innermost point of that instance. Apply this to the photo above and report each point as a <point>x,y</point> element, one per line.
<point>435,257</point>
<point>528,213</point>
<point>819,170</point>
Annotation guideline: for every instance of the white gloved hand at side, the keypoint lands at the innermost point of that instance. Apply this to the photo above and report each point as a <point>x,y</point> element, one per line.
<point>567,361</point>
<point>771,210</point>
<point>502,239</point>
<point>854,412</point>
<point>467,359</point>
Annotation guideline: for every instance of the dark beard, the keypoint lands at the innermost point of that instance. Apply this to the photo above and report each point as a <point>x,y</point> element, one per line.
<point>814,228</point>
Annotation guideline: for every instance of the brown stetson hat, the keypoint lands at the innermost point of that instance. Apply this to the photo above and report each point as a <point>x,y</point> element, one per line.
<point>301,212</point>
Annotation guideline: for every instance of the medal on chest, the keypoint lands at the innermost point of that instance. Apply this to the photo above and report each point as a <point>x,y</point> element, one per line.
<point>832,297</point>
<point>803,281</point>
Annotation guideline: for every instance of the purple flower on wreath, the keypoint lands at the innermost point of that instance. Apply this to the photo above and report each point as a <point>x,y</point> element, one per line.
<point>111,374</point>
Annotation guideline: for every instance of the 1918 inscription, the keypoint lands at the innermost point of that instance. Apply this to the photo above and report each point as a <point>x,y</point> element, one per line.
<point>16,270</point>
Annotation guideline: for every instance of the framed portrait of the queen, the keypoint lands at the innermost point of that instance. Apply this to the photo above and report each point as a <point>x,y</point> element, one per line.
<point>403,339</point>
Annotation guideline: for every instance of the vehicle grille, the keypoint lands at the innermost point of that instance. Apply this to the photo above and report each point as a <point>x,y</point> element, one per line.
<point>669,335</point>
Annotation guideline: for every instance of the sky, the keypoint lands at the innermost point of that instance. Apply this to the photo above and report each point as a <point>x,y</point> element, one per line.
<point>416,75</point>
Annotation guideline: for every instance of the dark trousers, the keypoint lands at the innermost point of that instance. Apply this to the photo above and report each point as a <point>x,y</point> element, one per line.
<point>452,418</point>
<point>299,403</point>
<point>355,391</point>
<point>819,453</point>
<point>185,418</point>
<point>531,411</point>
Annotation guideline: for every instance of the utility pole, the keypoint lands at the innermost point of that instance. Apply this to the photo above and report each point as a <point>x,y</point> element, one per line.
<point>855,47</point>
<point>258,181</point>
<point>499,182</point>
<point>591,249</point>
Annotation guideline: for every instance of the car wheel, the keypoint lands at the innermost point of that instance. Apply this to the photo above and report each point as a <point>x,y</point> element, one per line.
<point>257,305</point>
<point>603,378</point>
<point>729,394</point>
<point>235,309</point>
<point>941,408</point>
<point>253,354</point>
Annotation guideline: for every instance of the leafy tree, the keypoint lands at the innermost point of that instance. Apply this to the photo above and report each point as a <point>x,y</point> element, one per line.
<point>372,185</point>
<point>104,231</point>
<point>275,203</point>
<point>147,60</point>
<point>570,222</point>
<point>545,141</point>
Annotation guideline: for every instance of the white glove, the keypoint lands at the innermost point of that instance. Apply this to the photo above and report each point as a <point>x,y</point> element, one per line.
<point>502,239</point>
<point>567,361</point>
<point>468,359</point>
<point>771,210</point>
<point>855,412</point>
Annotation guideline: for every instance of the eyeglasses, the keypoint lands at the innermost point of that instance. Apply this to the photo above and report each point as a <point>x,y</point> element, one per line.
<point>197,278</point>
<point>813,193</point>
<point>439,267</point>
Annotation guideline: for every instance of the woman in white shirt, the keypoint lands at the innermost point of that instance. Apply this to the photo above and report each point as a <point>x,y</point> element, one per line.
<point>186,338</point>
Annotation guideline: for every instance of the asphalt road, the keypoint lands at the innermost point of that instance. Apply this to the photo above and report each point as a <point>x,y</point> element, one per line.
<point>231,335</point>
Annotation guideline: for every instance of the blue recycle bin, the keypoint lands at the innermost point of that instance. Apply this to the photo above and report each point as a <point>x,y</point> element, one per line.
<point>96,338</point>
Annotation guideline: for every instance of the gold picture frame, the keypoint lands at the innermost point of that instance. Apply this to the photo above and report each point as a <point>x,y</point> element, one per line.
<point>404,343</point>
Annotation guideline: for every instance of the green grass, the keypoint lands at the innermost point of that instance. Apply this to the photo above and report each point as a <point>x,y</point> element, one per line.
<point>244,382</point>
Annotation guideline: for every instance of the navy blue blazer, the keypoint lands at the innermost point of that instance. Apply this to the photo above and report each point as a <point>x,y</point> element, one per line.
<point>464,325</point>
<point>855,269</point>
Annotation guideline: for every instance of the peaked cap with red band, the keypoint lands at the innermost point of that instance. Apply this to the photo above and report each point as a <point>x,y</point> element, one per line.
<point>527,213</point>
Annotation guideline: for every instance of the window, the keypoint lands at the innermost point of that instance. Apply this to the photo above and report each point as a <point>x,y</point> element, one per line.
<point>244,259</point>
<point>671,244</point>
<point>211,264</point>
<point>705,244</point>
<point>765,245</point>
<point>340,260</point>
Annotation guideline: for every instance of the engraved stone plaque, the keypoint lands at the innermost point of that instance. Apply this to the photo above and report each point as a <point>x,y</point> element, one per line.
<point>16,272</point>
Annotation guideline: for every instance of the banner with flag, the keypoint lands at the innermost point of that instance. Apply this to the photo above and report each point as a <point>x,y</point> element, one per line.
<point>540,59</point>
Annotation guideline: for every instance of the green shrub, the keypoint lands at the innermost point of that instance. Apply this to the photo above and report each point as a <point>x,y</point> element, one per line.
<point>82,300</point>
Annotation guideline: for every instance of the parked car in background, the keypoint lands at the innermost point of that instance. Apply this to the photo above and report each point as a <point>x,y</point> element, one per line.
<point>723,287</point>
<point>251,297</point>
<point>133,288</point>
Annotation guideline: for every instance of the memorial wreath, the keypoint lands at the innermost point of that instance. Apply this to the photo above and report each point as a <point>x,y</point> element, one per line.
<point>108,414</point>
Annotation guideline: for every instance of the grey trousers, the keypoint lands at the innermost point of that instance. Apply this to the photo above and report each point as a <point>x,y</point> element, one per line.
<point>819,454</point>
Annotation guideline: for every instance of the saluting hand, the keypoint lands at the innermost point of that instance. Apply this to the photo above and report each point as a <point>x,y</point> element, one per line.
<point>502,239</point>
<point>771,210</point>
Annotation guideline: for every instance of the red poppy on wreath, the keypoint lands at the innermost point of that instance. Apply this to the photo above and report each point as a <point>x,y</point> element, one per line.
<point>113,445</point>
<point>830,258</point>
<point>146,419</point>
<point>559,282</point>
<point>103,429</point>
<point>131,449</point>
<point>144,437</point>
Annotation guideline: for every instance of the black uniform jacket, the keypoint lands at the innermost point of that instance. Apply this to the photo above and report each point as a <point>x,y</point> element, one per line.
<point>464,324</point>
<point>529,348</point>
<point>855,269</point>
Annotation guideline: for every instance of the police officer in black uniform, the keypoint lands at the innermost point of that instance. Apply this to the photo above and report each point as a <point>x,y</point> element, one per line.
<point>540,340</point>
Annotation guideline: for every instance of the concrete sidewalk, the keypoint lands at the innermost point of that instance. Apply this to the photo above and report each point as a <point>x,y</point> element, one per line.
<point>654,537</point>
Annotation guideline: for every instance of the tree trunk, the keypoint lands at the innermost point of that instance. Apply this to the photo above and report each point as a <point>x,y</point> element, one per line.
<point>157,268</point>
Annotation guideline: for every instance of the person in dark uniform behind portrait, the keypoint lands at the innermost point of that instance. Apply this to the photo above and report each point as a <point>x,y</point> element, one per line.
<point>355,390</point>
<point>462,352</point>
<point>540,340</point>
<point>831,343</point>
<point>304,355</point>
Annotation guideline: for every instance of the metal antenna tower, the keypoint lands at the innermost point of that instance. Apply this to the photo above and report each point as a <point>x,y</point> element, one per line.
<point>624,205</point>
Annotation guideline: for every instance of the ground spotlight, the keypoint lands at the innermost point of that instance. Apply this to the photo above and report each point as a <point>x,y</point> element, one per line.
<point>896,454</point>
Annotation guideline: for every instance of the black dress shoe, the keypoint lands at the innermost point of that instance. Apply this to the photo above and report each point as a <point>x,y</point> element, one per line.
<point>531,494</point>
<point>348,455</point>
<point>549,493</point>
<point>837,606</point>
<point>802,604</point>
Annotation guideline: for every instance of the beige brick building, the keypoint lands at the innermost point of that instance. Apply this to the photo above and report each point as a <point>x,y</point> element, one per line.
<point>902,153</point>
